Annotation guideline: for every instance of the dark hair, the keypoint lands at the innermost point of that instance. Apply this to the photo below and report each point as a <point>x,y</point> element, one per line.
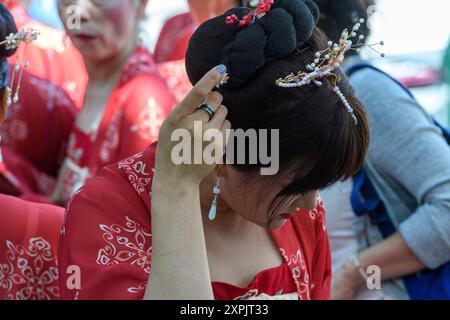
<point>319,142</point>
<point>335,16</point>
<point>7,26</point>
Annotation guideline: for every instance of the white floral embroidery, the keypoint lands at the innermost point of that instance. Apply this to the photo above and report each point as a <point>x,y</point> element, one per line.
<point>137,172</point>
<point>30,272</point>
<point>316,212</point>
<point>140,288</point>
<point>51,93</point>
<point>140,62</point>
<point>297,265</point>
<point>149,121</point>
<point>126,244</point>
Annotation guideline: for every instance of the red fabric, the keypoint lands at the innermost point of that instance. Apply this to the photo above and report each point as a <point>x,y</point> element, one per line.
<point>39,125</point>
<point>174,72</point>
<point>29,235</point>
<point>52,56</point>
<point>35,134</point>
<point>21,178</point>
<point>107,233</point>
<point>274,283</point>
<point>79,145</point>
<point>133,115</point>
<point>174,38</point>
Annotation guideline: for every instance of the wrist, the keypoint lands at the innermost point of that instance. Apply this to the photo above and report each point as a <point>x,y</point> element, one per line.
<point>172,185</point>
<point>355,273</point>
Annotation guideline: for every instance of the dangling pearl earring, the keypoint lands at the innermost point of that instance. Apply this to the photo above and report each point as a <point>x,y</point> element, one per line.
<point>213,210</point>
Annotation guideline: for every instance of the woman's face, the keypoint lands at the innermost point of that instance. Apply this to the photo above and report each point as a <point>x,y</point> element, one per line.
<point>255,198</point>
<point>106,28</point>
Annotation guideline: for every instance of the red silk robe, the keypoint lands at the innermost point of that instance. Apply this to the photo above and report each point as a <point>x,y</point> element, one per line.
<point>34,137</point>
<point>29,236</point>
<point>52,56</point>
<point>107,233</point>
<point>174,72</point>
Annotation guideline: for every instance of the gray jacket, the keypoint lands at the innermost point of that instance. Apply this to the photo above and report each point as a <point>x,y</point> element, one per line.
<point>409,164</point>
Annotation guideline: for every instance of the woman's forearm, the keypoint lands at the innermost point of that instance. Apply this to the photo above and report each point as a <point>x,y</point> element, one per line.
<point>393,256</point>
<point>179,267</point>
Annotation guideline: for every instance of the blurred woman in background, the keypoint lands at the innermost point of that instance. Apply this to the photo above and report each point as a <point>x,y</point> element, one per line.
<point>408,164</point>
<point>38,123</point>
<point>268,239</point>
<point>29,232</point>
<point>52,56</point>
<point>126,100</point>
<point>174,38</point>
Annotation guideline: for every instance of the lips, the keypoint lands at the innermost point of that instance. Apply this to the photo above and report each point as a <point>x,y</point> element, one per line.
<point>84,37</point>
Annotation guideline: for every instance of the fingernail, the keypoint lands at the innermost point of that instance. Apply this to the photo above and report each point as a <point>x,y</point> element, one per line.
<point>221,69</point>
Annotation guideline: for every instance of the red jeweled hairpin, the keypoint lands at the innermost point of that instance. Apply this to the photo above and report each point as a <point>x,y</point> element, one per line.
<point>261,9</point>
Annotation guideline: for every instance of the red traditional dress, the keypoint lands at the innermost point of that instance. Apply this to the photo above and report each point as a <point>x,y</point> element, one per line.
<point>174,72</point>
<point>174,38</point>
<point>108,234</point>
<point>52,56</point>
<point>131,120</point>
<point>34,137</point>
<point>29,235</point>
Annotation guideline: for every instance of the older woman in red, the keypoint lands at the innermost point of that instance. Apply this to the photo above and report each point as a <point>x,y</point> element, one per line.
<point>126,99</point>
<point>154,227</point>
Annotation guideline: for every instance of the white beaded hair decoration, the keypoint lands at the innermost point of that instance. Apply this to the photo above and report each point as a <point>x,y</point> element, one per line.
<point>327,61</point>
<point>15,41</point>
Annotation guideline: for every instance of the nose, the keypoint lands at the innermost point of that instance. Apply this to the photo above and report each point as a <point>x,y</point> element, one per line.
<point>80,10</point>
<point>85,7</point>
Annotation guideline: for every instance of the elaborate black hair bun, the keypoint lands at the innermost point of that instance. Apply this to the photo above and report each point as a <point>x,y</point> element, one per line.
<point>7,26</point>
<point>245,50</point>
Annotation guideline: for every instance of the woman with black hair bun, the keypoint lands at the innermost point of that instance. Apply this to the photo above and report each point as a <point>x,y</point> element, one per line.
<point>29,232</point>
<point>169,223</point>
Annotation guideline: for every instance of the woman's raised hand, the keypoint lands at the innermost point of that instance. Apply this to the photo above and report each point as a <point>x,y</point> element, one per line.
<point>181,123</point>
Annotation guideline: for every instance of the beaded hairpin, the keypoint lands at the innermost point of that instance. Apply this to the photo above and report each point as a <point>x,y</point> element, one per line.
<point>15,41</point>
<point>326,62</point>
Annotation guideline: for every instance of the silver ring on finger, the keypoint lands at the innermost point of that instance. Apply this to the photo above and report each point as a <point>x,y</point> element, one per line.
<point>210,111</point>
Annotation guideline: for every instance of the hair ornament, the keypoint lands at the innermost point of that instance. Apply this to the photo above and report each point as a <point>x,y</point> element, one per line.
<point>327,61</point>
<point>262,8</point>
<point>18,41</point>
